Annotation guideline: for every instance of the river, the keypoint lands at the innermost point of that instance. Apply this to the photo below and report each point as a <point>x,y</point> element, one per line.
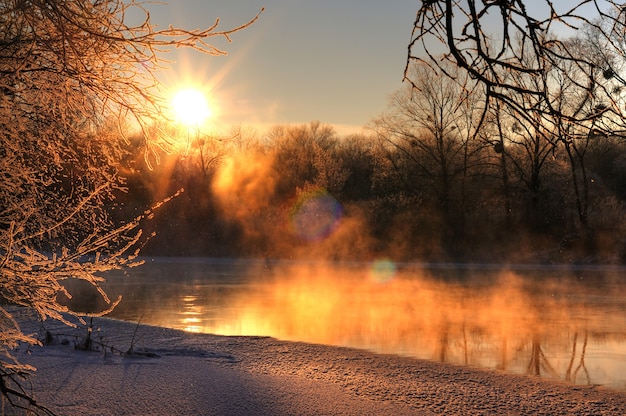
<point>561,322</point>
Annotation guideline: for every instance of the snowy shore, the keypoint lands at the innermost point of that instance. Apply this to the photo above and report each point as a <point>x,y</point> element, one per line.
<point>180,373</point>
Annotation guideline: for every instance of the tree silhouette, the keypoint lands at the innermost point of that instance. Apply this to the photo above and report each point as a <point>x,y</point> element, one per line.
<point>492,39</point>
<point>526,59</point>
<point>71,74</point>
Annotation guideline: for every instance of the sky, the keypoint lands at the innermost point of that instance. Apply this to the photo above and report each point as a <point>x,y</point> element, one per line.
<point>333,61</point>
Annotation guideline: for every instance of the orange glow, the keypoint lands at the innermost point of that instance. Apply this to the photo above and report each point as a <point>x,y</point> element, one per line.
<point>400,312</point>
<point>492,319</point>
<point>244,178</point>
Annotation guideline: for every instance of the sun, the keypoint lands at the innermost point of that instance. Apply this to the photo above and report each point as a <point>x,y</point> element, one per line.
<point>191,107</point>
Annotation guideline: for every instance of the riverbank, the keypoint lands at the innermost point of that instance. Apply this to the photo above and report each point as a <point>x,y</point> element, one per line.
<point>178,373</point>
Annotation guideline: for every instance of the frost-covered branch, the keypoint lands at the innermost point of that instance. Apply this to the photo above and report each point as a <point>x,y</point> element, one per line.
<point>74,74</point>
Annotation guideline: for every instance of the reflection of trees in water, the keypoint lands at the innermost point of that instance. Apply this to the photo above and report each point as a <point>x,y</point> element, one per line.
<point>516,327</point>
<point>465,343</point>
<point>465,350</point>
<point>581,364</point>
<point>468,343</point>
<point>503,354</point>
<point>538,360</point>
<point>443,344</point>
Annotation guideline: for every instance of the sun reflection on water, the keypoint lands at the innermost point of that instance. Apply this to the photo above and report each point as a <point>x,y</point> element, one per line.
<point>192,312</point>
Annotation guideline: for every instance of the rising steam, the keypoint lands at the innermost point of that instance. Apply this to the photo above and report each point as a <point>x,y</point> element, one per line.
<point>312,224</point>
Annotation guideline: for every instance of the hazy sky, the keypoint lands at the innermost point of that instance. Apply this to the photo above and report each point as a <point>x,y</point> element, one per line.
<point>335,61</point>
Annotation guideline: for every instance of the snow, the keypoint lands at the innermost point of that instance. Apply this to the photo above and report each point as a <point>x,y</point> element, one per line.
<point>180,373</point>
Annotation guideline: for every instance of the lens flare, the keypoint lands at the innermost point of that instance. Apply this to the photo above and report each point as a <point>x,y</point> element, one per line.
<point>315,215</point>
<point>382,271</point>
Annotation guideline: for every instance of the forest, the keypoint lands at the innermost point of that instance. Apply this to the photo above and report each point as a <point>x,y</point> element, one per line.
<point>419,184</point>
<point>508,147</point>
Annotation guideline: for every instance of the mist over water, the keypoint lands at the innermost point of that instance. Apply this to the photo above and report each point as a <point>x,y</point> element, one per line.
<point>552,322</point>
<point>541,327</point>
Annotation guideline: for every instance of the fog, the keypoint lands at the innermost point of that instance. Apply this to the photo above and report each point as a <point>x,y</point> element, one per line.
<point>323,269</point>
<point>244,184</point>
<point>332,304</point>
<point>558,322</point>
<point>537,325</point>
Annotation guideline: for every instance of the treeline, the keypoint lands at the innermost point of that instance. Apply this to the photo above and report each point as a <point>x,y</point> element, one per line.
<point>429,190</point>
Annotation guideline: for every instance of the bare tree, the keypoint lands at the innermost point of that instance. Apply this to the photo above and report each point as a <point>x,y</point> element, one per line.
<point>489,39</point>
<point>522,53</point>
<point>527,147</point>
<point>304,154</point>
<point>71,73</point>
<point>430,133</point>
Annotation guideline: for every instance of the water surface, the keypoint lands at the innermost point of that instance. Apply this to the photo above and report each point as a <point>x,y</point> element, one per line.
<point>561,322</point>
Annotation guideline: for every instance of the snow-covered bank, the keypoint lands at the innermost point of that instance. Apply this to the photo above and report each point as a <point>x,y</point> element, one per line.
<point>199,374</point>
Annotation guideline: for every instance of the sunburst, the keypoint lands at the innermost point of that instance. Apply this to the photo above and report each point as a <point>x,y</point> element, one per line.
<point>190,107</point>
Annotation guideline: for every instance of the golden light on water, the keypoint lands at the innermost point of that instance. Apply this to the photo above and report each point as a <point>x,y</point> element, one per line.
<point>191,107</point>
<point>191,314</point>
<point>518,322</point>
<point>503,324</point>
